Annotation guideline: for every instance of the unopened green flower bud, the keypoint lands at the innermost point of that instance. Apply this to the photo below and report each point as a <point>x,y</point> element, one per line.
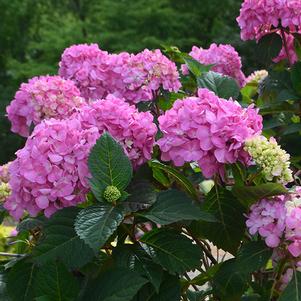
<point>111,194</point>
<point>5,191</point>
<point>273,160</point>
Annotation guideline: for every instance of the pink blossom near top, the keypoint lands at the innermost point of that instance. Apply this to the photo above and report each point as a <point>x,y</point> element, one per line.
<point>209,130</point>
<point>87,66</point>
<point>41,98</point>
<point>51,171</point>
<point>145,73</point>
<point>134,130</point>
<point>225,59</point>
<point>134,77</point>
<point>260,17</point>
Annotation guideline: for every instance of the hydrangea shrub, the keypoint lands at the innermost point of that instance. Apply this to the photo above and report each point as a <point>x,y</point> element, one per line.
<point>160,175</point>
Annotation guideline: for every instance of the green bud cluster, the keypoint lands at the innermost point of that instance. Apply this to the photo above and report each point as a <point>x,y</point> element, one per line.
<point>273,160</point>
<point>5,191</point>
<point>111,194</point>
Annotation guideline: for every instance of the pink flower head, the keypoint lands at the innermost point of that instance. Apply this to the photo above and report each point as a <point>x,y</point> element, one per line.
<point>134,130</point>
<point>260,17</point>
<point>42,98</point>
<point>87,66</point>
<point>51,171</point>
<point>132,77</point>
<point>209,130</point>
<point>267,218</point>
<point>225,59</point>
<point>145,73</point>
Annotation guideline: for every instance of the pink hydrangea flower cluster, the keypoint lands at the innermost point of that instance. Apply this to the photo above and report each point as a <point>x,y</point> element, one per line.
<point>51,171</point>
<point>132,129</point>
<point>87,66</point>
<point>260,17</point>
<point>225,59</point>
<point>209,130</point>
<point>42,98</point>
<point>133,77</point>
<point>278,221</point>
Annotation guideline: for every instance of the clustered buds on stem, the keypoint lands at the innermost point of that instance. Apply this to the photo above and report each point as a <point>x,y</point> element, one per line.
<point>112,194</point>
<point>273,160</point>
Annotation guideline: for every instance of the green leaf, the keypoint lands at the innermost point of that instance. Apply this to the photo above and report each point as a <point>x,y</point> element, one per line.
<point>269,47</point>
<point>3,287</point>
<point>20,281</point>
<point>296,77</point>
<point>170,289</point>
<point>223,86</point>
<point>253,256</point>
<point>195,67</point>
<point>135,259</point>
<point>229,283</point>
<point>249,195</point>
<point>205,277</point>
<point>229,229</point>
<point>182,180</point>
<point>60,241</point>
<point>173,206</point>
<point>56,282</point>
<point>97,223</point>
<point>293,290</point>
<point>114,285</point>
<point>30,223</point>
<point>173,251</point>
<point>142,196</point>
<point>109,166</point>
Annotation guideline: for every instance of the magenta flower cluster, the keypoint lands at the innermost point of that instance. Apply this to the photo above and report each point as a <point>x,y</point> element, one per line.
<point>209,130</point>
<point>225,59</point>
<point>260,17</point>
<point>134,77</point>
<point>278,221</point>
<point>42,98</point>
<point>134,130</point>
<point>51,171</point>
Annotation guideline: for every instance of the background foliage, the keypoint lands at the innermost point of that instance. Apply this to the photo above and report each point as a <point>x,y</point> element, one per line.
<point>33,35</point>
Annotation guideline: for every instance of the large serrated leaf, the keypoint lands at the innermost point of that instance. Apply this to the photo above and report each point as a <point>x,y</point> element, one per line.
<point>223,86</point>
<point>60,241</point>
<point>114,285</point>
<point>141,196</point>
<point>134,258</point>
<point>229,283</point>
<point>194,66</point>
<point>293,290</point>
<point>97,223</point>
<point>56,282</point>
<point>173,206</point>
<point>249,195</point>
<point>226,233</point>
<point>109,166</point>
<point>20,281</point>
<point>173,251</point>
<point>252,256</point>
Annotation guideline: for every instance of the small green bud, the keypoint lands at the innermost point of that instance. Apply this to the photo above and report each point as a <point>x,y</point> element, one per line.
<point>5,191</point>
<point>111,194</point>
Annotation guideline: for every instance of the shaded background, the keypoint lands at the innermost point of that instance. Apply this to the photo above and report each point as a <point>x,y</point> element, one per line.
<point>34,33</point>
